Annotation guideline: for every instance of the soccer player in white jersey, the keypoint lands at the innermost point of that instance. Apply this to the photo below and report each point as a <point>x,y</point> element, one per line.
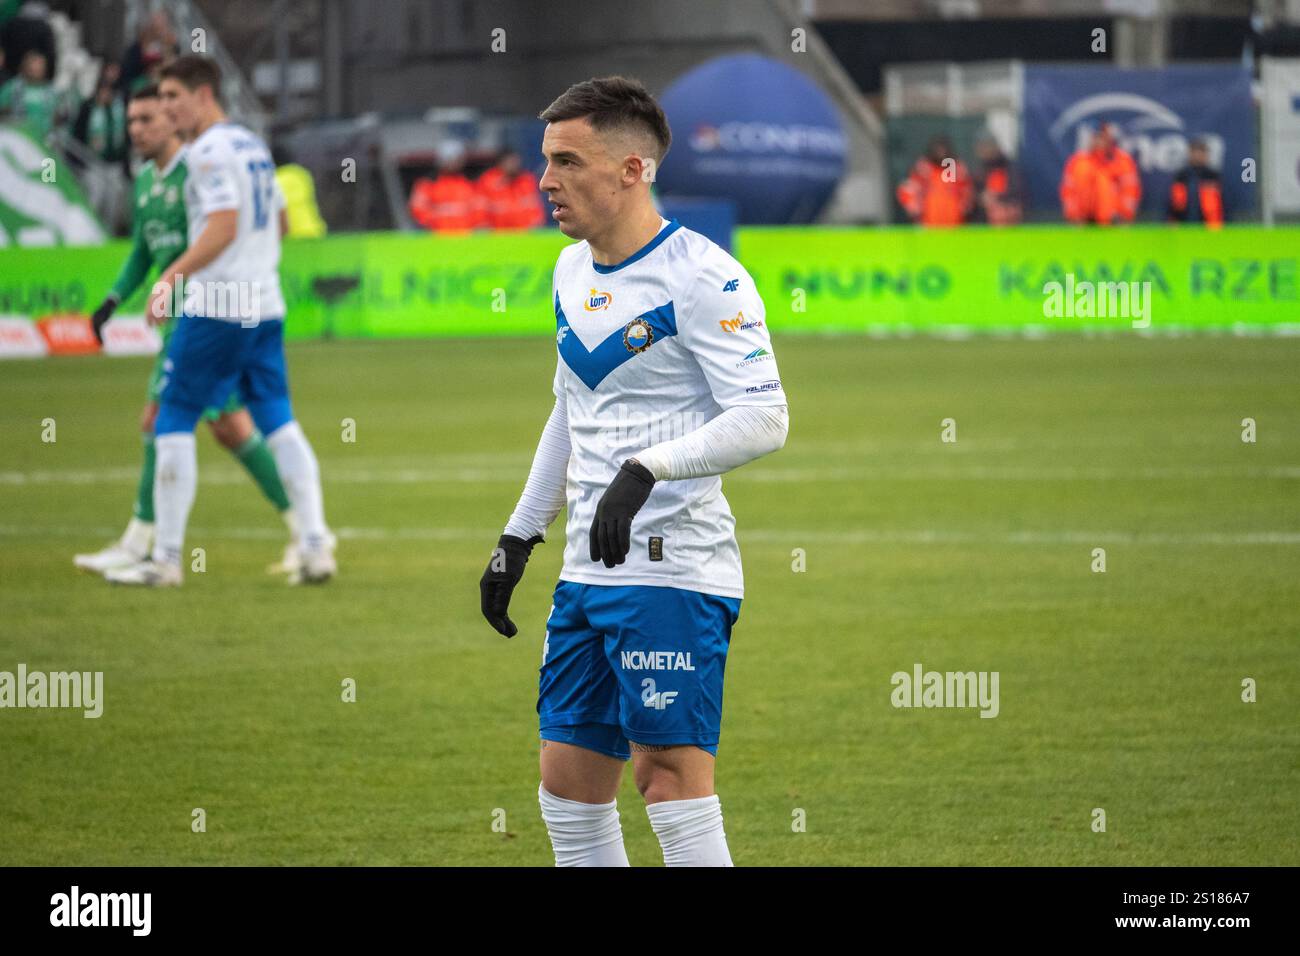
<point>230,334</point>
<point>665,379</point>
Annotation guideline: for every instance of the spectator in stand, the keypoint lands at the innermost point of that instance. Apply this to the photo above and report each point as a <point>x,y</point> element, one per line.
<point>1101,184</point>
<point>23,27</point>
<point>31,99</point>
<point>939,190</point>
<point>101,121</point>
<point>509,195</point>
<point>999,187</point>
<point>154,46</point>
<point>448,203</point>
<point>1195,195</point>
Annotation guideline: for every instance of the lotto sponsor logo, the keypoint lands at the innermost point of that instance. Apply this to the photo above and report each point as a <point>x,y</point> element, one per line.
<point>598,301</point>
<point>657,661</point>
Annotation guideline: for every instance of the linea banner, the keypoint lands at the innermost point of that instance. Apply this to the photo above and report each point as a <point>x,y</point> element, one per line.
<point>1157,112</point>
<point>40,201</point>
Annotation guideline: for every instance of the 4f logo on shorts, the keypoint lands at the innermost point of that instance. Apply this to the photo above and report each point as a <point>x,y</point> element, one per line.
<point>658,700</point>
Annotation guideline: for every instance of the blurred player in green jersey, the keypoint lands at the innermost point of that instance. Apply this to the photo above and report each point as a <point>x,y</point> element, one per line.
<point>158,236</point>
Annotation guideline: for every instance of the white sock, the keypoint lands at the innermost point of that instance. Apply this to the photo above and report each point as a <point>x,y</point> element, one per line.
<point>583,834</point>
<point>300,473</point>
<point>176,473</point>
<point>690,831</point>
<point>138,536</point>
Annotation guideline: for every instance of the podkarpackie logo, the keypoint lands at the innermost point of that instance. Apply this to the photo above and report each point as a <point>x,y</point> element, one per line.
<point>1153,134</point>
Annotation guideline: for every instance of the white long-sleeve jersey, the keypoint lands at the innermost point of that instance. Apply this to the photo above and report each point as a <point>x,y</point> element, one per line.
<point>230,168</point>
<point>664,357</point>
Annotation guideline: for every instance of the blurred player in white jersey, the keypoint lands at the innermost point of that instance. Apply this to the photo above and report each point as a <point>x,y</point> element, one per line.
<point>665,379</point>
<point>230,333</point>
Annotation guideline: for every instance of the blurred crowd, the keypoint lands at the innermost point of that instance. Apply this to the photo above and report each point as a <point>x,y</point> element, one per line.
<point>29,96</point>
<point>504,196</point>
<point>1100,185</point>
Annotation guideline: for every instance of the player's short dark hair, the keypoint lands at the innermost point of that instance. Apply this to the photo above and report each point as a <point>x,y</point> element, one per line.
<point>193,71</point>
<point>613,102</point>
<point>147,92</point>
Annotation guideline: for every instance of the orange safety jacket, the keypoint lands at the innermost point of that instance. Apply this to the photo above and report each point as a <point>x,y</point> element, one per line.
<point>1209,198</point>
<point>446,204</point>
<point>1099,188</point>
<point>510,202</point>
<point>932,200</point>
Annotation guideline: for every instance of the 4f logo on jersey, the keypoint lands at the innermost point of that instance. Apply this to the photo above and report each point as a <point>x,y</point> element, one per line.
<point>731,286</point>
<point>598,301</point>
<point>561,333</point>
<point>656,699</point>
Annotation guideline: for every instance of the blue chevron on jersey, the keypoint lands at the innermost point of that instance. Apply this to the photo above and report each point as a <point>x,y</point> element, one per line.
<point>624,343</point>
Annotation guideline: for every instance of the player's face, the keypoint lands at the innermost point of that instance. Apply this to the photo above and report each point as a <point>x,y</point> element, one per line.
<point>148,126</point>
<point>583,178</point>
<point>180,104</point>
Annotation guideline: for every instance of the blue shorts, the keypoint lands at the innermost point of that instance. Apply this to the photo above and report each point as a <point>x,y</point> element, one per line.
<point>635,662</point>
<point>209,359</point>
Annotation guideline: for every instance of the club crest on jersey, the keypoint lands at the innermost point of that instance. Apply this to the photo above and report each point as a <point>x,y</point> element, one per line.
<point>598,301</point>
<point>637,335</point>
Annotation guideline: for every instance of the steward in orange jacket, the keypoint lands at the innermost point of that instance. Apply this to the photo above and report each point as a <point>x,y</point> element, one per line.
<point>449,203</point>
<point>1195,195</point>
<point>509,195</point>
<point>1001,193</point>
<point>1101,184</point>
<point>939,190</point>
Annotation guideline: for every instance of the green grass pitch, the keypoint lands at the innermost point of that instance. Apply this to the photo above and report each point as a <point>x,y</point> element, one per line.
<point>1118,690</point>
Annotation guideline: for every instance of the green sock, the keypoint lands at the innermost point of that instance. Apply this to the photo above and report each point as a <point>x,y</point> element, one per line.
<point>144,494</point>
<point>259,461</point>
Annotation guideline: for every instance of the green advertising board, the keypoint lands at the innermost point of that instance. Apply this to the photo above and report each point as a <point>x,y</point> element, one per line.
<point>985,279</point>
<point>875,280</point>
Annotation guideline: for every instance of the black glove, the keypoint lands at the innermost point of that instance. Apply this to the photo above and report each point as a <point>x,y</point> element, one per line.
<point>102,315</point>
<point>611,531</point>
<point>496,586</point>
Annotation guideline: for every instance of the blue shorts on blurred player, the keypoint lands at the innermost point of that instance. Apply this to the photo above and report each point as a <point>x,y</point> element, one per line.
<point>212,357</point>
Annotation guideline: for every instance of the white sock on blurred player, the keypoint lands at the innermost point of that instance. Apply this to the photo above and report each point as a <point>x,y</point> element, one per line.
<point>690,831</point>
<point>175,476</point>
<point>300,473</point>
<point>583,834</point>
